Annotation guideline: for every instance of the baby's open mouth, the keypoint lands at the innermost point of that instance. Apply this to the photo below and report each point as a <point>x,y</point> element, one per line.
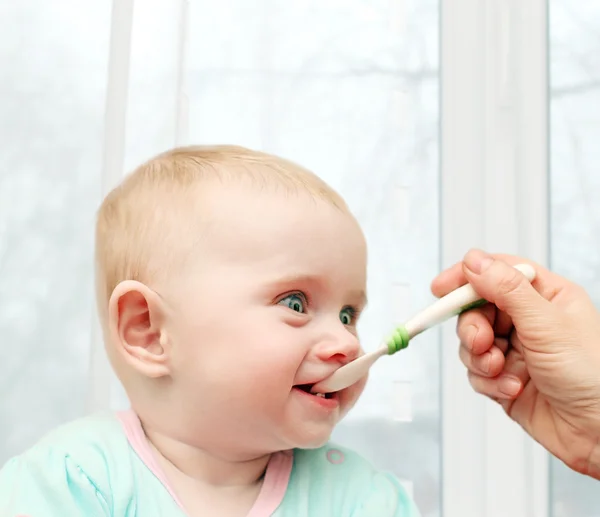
<point>307,388</point>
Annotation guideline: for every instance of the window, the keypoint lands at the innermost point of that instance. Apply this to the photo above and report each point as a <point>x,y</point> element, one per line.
<point>445,124</point>
<point>575,189</point>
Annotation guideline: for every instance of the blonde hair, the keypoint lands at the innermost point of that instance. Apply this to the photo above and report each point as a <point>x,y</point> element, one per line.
<point>139,222</point>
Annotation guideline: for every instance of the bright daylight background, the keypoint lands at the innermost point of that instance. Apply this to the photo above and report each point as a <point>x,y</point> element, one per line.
<point>350,89</point>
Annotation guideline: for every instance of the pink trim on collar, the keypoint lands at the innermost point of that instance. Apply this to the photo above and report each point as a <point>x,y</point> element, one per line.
<point>274,485</point>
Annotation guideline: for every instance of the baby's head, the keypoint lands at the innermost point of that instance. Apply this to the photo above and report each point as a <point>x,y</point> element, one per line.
<point>229,281</point>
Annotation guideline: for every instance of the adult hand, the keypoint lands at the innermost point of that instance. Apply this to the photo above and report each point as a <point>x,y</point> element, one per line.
<point>535,349</point>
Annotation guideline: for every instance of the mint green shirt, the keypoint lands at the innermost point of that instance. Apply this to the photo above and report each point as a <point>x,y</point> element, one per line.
<point>102,465</point>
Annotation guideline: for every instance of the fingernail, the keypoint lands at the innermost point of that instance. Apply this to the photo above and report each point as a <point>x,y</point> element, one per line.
<point>478,261</point>
<point>509,386</point>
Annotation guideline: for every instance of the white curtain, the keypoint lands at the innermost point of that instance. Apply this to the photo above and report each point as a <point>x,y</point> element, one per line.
<point>350,89</point>
<point>53,69</point>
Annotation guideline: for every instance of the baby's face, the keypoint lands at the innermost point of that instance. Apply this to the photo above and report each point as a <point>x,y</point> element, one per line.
<point>270,307</point>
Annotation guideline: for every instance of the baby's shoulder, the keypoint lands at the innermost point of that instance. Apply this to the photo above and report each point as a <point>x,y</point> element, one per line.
<point>348,483</point>
<point>87,439</point>
<point>93,445</point>
<point>73,469</point>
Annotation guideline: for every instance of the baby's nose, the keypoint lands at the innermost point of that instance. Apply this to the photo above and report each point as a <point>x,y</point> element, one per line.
<point>340,348</point>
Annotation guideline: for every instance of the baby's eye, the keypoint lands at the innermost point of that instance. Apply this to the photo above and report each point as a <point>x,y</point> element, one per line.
<point>296,302</point>
<point>347,315</point>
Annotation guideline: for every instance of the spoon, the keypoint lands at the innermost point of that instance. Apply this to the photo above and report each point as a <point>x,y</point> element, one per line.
<point>454,303</point>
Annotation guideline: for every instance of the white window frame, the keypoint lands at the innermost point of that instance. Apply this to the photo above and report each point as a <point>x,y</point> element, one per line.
<point>494,177</point>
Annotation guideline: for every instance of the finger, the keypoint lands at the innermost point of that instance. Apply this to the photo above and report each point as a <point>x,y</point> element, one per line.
<point>516,367</point>
<point>489,364</point>
<point>454,277</point>
<point>503,278</point>
<point>477,327</point>
<point>511,292</point>
<point>448,280</point>
<point>548,284</point>
<point>503,387</point>
<point>474,329</point>
<point>506,386</point>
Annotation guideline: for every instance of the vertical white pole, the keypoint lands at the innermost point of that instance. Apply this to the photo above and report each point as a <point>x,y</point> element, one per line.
<point>494,195</point>
<point>115,124</point>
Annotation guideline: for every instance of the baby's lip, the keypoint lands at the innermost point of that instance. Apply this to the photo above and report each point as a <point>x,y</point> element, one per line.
<point>307,388</point>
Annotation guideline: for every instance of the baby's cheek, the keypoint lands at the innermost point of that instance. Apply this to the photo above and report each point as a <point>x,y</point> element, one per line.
<point>273,376</point>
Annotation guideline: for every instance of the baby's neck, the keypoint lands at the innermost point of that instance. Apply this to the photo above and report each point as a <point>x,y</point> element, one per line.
<point>205,467</point>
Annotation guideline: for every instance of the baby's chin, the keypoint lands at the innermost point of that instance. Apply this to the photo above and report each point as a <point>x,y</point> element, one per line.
<point>308,435</point>
<point>312,442</point>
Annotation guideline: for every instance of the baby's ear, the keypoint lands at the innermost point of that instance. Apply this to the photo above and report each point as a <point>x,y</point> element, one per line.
<point>136,317</point>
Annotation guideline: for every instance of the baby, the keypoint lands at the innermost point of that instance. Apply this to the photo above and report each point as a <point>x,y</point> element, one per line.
<point>229,282</point>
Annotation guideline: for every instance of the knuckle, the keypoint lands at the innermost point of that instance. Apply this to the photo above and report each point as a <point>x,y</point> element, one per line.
<point>510,282</point>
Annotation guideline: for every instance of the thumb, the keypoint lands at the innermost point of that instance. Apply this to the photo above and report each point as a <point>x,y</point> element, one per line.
<point>508,289</point>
